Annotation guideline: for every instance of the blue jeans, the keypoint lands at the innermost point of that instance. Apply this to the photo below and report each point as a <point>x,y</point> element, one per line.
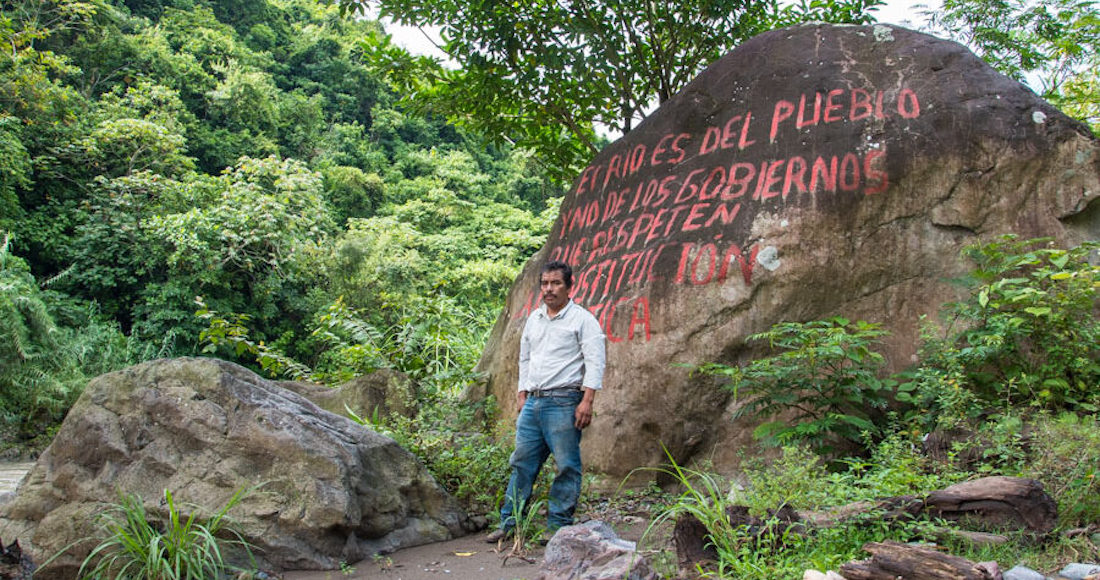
<point>545,426</point>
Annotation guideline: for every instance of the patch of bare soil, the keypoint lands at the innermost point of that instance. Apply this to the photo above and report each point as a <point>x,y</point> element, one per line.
<point>466,558</point>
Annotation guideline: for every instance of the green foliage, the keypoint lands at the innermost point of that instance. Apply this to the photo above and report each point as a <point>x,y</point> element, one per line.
<point>265,212</point>
<point>1029,332</point>
<point>158,151</point>
<point>542,75</point>
<point>895,467</point>
<point>43,365</point>
<point>27,337</point>
<point>231,332</point>
<point>182,547</point>
<point>824,379</point>
<point>15,169</point>
<point>352,193</point>
<point>937,389</point>
<point>1065,456</point>
<point>1052,43</point>
<point>435,341</point>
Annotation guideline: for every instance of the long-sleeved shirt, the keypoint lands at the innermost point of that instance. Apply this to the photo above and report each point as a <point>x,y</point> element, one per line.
<point>564,351</point>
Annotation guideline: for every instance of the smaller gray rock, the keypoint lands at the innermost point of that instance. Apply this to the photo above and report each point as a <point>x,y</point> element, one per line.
<point>592,551</point>
<point>1023,573</point>
<point>1079,571</point>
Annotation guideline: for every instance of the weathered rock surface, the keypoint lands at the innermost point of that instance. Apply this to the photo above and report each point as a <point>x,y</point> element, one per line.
<point>592,551</point>
<point>812,172</point>
<point>1077,571</point>
<point>329,490</point>
<point>385,392</point>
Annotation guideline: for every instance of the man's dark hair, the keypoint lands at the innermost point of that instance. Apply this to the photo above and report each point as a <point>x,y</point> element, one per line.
<point>566,271</point>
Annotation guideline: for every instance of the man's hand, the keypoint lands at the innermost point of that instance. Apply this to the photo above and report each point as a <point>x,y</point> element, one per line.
<point>582,417</point>
<point>521,399</point>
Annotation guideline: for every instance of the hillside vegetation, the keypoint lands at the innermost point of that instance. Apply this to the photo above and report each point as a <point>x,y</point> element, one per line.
<point>242,159</point>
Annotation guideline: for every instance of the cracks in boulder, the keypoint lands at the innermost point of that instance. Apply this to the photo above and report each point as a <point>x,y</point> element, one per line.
<point>880,289</point>
<point>956,229</point>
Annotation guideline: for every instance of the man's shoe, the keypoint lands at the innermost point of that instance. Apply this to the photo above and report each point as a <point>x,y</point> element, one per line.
<point>498,535</point>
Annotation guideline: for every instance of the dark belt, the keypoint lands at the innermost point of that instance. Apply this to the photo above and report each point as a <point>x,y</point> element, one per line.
<point>558,392</point>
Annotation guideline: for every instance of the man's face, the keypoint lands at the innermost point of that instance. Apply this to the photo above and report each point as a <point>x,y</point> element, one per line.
<point>554,291</point>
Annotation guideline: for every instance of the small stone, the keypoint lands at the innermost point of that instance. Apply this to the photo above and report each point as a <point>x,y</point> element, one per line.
<point>1023,573</point>
<point>813,575</point>
<point>992,568</point>
<point>1079,571</point>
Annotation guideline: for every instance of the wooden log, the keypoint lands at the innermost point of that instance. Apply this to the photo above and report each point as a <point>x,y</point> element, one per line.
<point>888,510</point>
<point>989,504</point>
<point>692,547</point>
<point>996,504</point>
<point>892,560</point>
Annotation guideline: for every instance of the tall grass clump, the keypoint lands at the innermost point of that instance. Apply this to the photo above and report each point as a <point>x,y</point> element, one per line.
<point>180,548</point>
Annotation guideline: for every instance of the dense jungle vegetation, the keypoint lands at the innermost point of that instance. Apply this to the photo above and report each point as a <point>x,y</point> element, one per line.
<point>275,183</point>
<point>246,156</point>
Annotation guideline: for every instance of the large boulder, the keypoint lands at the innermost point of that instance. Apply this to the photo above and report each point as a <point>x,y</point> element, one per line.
<point>327,489</point>
<point>814,171</point>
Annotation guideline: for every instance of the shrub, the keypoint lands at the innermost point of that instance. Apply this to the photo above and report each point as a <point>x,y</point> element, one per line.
<point>49,349</point>
<point>1065,457</point>
<point>1029,333</point>
<point>937,393</point>
<point>180,548</point>
<point>824,378</point>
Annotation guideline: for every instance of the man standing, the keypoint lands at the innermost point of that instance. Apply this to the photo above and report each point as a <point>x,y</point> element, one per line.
<point>561,364</point>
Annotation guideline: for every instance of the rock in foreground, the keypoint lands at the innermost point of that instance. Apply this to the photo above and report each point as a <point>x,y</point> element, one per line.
<point>329,490</point>
<point>592,551</point>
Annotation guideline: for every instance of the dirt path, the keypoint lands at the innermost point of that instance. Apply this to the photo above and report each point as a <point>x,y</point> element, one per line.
<point>467,558</point>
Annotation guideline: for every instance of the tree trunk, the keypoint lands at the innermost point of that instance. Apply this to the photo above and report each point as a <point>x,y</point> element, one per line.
<point>996,504</point>
<point>891,560</point>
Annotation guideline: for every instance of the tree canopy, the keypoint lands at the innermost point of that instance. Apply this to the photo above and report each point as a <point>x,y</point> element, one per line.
<point>1052,45</point>
<point>241,159</point>
<point>544,74</point>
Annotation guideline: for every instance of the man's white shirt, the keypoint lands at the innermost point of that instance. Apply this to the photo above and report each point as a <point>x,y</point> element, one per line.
<point>564,351</point>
